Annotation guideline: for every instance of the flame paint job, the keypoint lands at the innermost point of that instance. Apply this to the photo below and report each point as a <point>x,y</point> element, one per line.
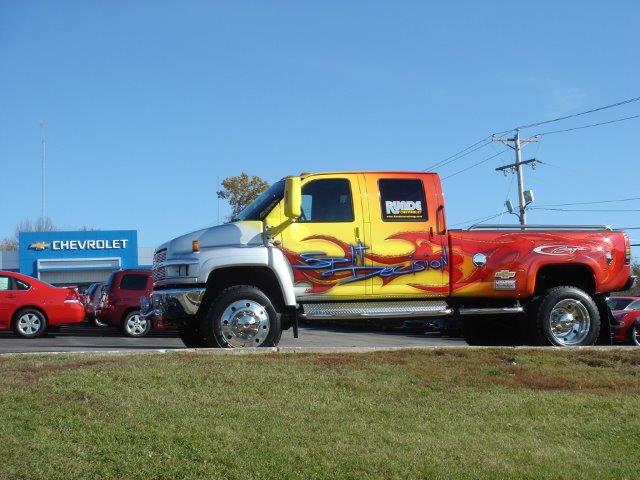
<point>516,252</point>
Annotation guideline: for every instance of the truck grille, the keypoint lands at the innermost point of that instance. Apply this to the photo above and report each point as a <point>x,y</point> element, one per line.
<point>159,273</point>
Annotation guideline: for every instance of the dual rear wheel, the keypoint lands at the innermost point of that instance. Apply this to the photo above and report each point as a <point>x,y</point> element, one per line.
<point>564,317</point>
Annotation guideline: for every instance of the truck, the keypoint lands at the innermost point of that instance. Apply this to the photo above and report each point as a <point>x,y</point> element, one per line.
<point>354,245</point>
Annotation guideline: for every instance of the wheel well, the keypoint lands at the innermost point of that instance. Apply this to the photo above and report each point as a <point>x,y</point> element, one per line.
<point>260,277</point>
<point>579,276</point>
<point>127,312</point>
<point>28,307</point>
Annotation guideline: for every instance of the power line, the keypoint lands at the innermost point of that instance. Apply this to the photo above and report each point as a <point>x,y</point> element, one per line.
<point>462,153</point>
<point>476,164</point>
<point>479,219</point>
<point>590,203</point>
<point>617,104</point>
<point>589,126</point>
<point>587,210</point>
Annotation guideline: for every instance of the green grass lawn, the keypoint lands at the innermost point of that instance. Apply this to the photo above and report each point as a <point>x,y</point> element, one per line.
<point>460,413</point>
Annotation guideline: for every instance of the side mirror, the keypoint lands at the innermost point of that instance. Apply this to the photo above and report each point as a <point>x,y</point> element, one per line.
<point>293,198</point>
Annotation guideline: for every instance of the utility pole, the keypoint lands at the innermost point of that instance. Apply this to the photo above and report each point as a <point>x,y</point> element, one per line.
<point>525,197</point>
<point>43,142</point>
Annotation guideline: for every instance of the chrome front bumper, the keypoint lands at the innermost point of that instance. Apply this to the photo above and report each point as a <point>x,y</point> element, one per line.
<point>173,304</point>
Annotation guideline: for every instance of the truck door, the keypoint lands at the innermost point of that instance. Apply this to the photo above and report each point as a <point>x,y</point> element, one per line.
<point>324,246</point>
<point>406,253</point>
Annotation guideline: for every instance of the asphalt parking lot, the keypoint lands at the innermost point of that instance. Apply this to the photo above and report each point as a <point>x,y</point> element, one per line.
<point>87,338</point>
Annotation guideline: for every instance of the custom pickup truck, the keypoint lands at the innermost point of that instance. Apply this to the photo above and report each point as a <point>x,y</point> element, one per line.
<point>352,245</point>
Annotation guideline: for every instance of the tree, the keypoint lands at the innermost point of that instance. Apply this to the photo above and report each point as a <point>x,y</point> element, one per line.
<point>42,224</point>
<point>241,190</point>
<point>8,244</point>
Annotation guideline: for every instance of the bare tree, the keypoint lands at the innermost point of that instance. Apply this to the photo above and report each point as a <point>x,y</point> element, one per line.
<point>8,244</point>
<point>42,224</point>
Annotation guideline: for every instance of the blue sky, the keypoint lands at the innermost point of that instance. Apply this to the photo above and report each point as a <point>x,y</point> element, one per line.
<point>148,105</point>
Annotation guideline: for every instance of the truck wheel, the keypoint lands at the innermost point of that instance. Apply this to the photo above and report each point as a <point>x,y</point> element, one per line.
<point>241,316</point>
<point>190,336</point>
<point>635,335</point>
<point>565,317</point>
<point>134,325</point>
<point>29,323</point>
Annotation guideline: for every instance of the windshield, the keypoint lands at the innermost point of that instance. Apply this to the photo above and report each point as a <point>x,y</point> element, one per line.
<point>633,305</point>
<point>261,206</point>
<point>618,303</point>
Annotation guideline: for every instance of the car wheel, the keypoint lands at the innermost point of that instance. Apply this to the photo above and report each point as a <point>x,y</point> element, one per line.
<point>565,317</point>
<point>241,317</point>
<point>29,323</point>
<point>135,325</point>
<point>635,335</point>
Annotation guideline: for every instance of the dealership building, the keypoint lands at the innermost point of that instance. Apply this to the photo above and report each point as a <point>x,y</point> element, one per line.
<point>76,258</point>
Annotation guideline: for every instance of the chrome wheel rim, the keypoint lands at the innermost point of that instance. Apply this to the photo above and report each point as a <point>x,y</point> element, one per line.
<point>569,322</point>
<point>635,335</point>
<point>29,324</point>
<point>244,323</point>
<point>136,325</point>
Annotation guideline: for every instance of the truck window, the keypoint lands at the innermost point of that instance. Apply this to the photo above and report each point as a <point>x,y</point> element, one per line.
<point>402,200</point>
<point>133,282</point>
<point>327,200</point>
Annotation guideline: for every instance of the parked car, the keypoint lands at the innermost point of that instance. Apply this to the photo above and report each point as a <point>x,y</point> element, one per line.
<point>88,298</point>
<point>620,303</point>
<point>92,305</point>
<point>29,306</point>
<point>628,328</point>
<point>120,302</point>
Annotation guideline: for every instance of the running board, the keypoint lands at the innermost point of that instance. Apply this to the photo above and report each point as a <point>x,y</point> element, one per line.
<point>490,311</point>
<point>395,309</point>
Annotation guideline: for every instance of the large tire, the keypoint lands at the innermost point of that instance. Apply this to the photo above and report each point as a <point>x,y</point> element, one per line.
<point>564,317</point>
<point>190,336</point>
<point>29,323</point>
<point>241,316</point>
<point>134,326</point>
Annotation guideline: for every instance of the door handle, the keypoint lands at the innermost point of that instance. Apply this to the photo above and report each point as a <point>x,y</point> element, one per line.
<point>357,232</point>
<point>11,296</point>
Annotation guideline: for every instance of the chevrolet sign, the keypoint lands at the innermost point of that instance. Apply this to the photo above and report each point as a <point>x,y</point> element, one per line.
<point>89,244</point>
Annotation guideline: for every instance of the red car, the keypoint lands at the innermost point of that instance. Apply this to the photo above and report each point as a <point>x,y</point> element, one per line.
<point>120,303</point>
<point>29,306</point>
<point>628,328</point>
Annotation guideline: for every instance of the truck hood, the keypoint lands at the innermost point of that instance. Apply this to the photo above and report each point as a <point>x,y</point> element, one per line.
<point>237,234</point>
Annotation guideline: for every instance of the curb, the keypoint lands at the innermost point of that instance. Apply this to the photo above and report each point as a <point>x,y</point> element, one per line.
<point>305,350</point>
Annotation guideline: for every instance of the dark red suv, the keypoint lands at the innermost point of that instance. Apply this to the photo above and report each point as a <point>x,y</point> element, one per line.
<point>120,303</point>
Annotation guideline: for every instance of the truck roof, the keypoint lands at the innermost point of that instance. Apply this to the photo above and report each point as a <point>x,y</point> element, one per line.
<point>365,172</point>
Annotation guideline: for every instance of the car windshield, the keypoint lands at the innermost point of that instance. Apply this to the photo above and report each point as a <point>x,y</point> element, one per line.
<point>618,303</point>
<point>261,206</point>
<point>633,305</point>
